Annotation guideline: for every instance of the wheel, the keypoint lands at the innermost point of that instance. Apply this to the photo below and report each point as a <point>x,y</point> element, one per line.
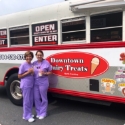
<point>13,90</point>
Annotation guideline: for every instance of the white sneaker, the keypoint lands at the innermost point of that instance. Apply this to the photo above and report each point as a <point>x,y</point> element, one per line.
<point>37,116</point>
<point>31,120</point>
<point>41,117</point>
<point>32,117</point>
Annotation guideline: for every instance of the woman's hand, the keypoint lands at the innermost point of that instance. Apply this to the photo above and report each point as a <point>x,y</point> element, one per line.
<point>46,73</point>
<point>42,73</point>
<point>30,71</point>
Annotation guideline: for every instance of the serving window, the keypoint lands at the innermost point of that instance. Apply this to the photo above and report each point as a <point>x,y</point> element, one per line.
<point>106,27</point>
<point>19,35</point>
<point>73,29</point>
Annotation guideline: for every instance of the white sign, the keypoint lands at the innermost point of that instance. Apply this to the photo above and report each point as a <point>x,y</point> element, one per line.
<point>112,55</point>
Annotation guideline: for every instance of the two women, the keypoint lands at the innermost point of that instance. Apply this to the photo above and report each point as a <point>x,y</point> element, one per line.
<point>39,72</point>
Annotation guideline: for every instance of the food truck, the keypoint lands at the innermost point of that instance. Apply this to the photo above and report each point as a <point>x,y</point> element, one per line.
<point>82,39</point>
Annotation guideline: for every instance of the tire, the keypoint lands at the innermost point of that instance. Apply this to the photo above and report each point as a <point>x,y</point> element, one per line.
<point>13,90</point>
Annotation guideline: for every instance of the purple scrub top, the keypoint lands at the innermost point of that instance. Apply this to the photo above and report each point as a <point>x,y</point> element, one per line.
<point>43,66</point>
<point>28,80</point>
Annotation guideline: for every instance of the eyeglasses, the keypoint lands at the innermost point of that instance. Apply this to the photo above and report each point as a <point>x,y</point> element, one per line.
<point>39,55</point>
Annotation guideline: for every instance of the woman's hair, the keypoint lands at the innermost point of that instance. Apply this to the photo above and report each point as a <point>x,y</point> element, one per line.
<point>28,53</point>
<point>40,52</point>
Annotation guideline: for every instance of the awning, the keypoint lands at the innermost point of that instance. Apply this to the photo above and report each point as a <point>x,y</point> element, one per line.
<point>96,4</point>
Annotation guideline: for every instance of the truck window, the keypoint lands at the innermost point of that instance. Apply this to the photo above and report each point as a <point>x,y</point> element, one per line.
<point>19,35</point>
<point>106,27</point>
<point>73,30</point>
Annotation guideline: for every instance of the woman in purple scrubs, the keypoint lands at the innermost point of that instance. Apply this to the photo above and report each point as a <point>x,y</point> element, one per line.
<point>27,81</point>
<point>42,69</point>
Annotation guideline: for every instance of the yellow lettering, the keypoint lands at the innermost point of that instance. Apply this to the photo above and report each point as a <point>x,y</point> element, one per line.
<point>108,80</point>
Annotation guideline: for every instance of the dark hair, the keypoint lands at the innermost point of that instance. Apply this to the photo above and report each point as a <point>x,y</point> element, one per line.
<point>40,52</point>
<point>28,53</point>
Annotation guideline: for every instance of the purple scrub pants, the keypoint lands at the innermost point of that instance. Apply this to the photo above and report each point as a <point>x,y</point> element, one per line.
<point>27,102</point>
<point>40,98</point>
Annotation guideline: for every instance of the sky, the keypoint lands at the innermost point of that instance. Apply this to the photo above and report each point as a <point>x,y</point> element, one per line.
<point>11,6</point>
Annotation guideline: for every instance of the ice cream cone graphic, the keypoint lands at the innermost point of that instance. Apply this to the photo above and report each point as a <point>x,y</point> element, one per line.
<point>94,64</point>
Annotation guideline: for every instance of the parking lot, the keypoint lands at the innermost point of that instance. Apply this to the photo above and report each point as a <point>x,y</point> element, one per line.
<point>64,112</point>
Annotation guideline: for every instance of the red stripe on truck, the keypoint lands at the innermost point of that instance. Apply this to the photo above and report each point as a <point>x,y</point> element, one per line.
<point>2,83</point>
<point>71,46</point>
<point>88,95</point>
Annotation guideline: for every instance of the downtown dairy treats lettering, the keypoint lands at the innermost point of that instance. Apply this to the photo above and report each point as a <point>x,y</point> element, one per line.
<point>77,64</point>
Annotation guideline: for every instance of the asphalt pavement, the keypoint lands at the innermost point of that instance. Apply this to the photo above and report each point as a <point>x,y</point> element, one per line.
<point>64,112</point>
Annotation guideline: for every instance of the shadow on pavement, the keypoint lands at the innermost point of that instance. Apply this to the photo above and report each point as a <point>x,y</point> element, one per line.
<point>105,111</point>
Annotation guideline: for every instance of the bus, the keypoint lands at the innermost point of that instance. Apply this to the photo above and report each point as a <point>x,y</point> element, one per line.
<point>82,39</point>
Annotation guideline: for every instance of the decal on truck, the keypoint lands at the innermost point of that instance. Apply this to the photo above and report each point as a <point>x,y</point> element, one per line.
<point>12,57</point>
<point>108,85</point>
<point>120,74</point>
<point>77,64</point>
<point>121,88</point>
<point>122,57</point>
<point>120,79</point>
